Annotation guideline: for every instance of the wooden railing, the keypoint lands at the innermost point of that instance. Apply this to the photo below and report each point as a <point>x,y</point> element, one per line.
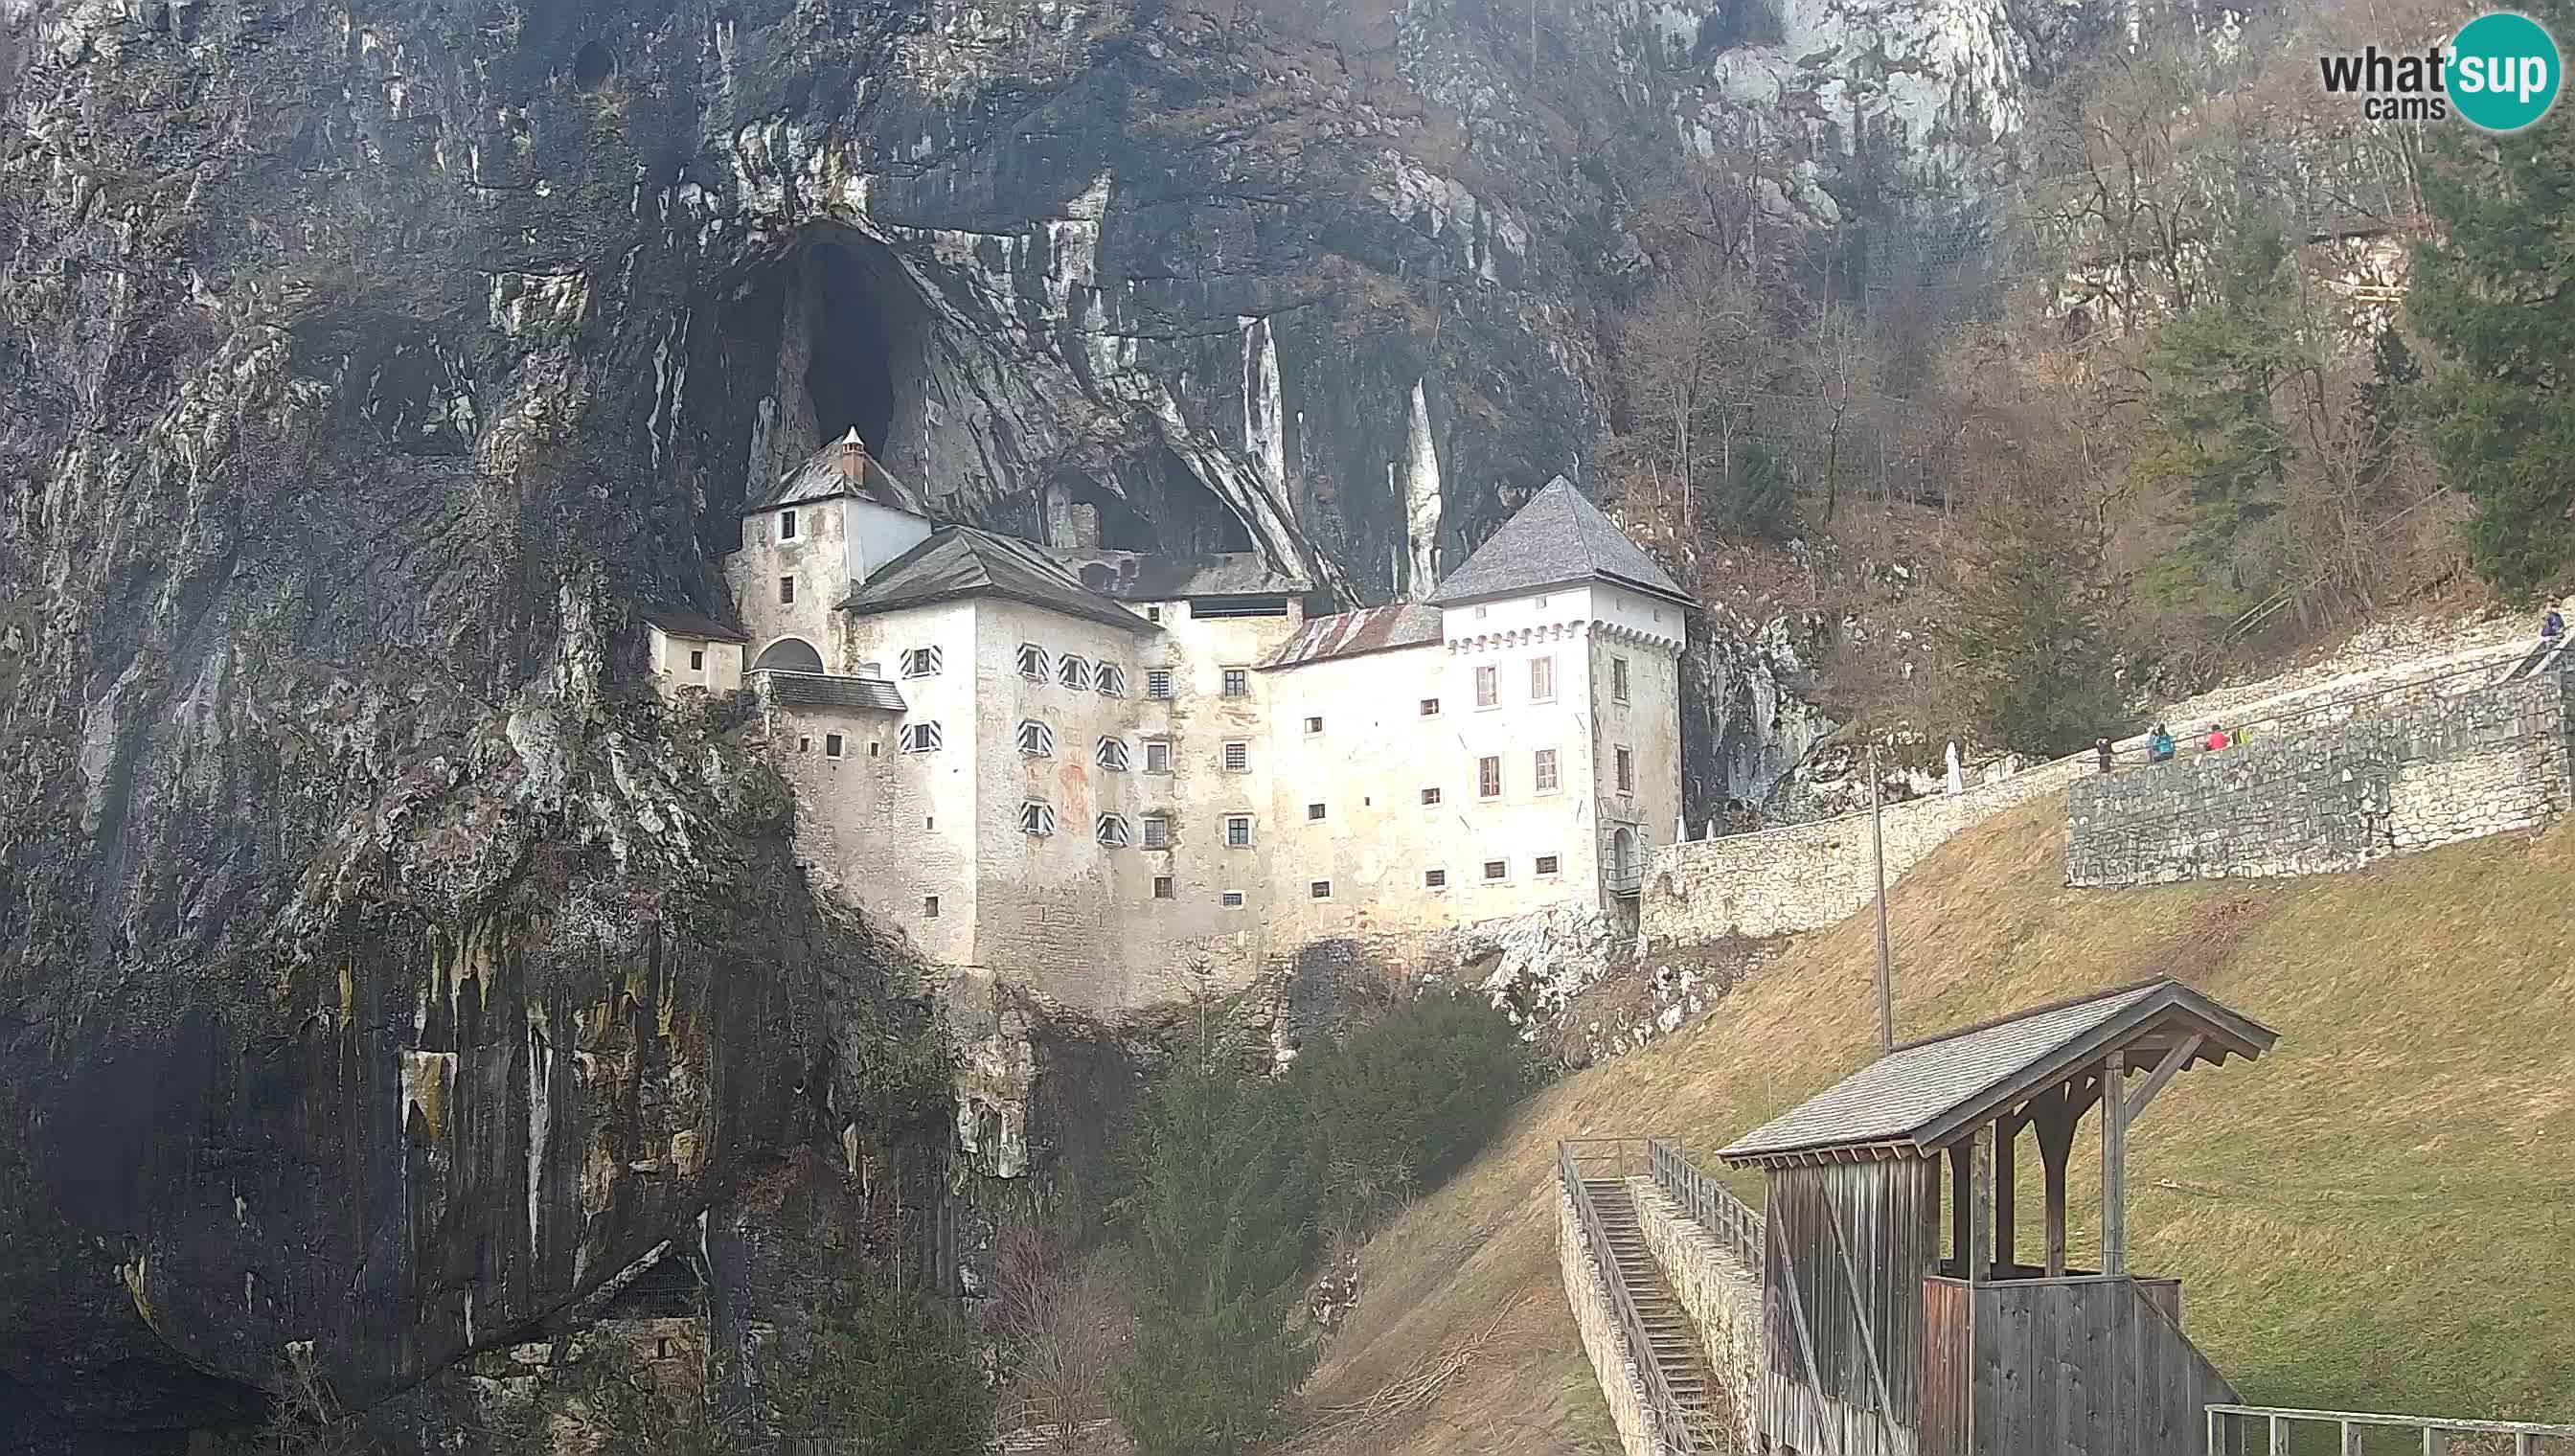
<point>1671,1422</point>
<point>2258,1430</point>
<point>1727,1218</point>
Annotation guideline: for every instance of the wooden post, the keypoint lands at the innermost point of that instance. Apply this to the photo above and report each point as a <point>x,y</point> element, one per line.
<point>2114,1167</point>
<point>2055,1143</point>
<point>1885,961</point>
<point>1961,1191</point>
<point>1981,1206</point>
<point>2006,1133</point>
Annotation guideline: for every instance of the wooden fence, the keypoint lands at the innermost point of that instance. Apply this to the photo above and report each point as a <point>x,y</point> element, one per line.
<point>1727,1218</point>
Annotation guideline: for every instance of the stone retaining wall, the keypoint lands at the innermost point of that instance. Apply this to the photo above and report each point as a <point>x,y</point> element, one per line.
<point>1807,876</point>
<point>1585,1290</point>
<point>1723,1299</point>
<point>2432,768</point>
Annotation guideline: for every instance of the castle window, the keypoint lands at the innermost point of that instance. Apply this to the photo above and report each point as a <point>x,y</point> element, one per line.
<point>1489,777</point>
<point>1430,795</point>
<point>1434,879</point>
<point>1626,771</point>
<point>805,745</point>
<point>1111,753</point>
<point>1157,683</point>
<point>1158,755</point>
<point>1541,602</point>
<point>1544,771</point>
<point>1154,613</point>
<point>1157,832</point>
<point>1431,708</point>
<point>1165,888</point>
<point>831,746</point>
<point>920,738</point>
<point>1112,832</point>
<point>1238,682</point>
<point>1489,686</point>
<point>1112,680</point>
<point>1313,725</point>
<point>1036,817</point>
<point>1237,757</point>
<point>930,908</point>
<point>1033,664</point>
<point>697,660</point>
<point>1232,900</point>
<point>1036,741</point>
<point>1618,678</point>
<point>1497,869</point>
<point>787,591</point>
<point>786,526</point>
<point>1314,810</point>
<point>1237,832</point>
<point>1320,890</point>
<point>1547,865</point>
<point>1543,679</point>
<point>1075,674</point>
<point>922,661</point>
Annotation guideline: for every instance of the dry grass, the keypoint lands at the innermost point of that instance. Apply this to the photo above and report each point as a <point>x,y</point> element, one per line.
<point>2378,1215</point>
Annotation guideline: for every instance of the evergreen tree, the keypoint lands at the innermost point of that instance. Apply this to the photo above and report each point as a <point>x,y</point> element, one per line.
<point>2492,295</point>
<point>1411,1095</point>
<point>1222,1217</point>
<point>2034,652</point>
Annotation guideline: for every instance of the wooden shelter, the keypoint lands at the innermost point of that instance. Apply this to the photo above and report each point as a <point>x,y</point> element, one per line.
<point>1878,1346</point>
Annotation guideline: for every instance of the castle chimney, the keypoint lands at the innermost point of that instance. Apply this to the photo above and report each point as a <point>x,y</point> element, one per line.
<point>853,457</point>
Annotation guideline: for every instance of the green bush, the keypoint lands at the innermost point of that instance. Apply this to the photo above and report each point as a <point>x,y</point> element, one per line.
<point>1406,1100</point>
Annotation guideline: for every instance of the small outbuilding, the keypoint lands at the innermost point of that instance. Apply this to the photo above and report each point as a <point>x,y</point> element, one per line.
<point>1877,1345</point>
<point>690,650</point>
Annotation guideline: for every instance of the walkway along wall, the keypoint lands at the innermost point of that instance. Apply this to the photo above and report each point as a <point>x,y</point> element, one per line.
<point>2428,771</point>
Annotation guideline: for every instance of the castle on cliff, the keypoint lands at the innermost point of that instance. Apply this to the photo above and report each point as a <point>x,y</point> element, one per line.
<point>1121,778</point>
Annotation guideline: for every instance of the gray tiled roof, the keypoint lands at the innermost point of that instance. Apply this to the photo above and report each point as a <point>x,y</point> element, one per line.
<point>1557,539</point>
<point>1924,1087</point>
<point>957,561</point>
<point>841,468</point>
<point>681,623</point>
<point>825,689</point>
<point>1348,634</point>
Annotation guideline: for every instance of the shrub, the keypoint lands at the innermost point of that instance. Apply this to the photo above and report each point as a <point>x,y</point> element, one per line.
<point>1406,1100</point>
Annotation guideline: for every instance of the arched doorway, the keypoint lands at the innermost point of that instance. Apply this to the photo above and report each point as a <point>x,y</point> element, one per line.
<point>789,654</point>
<point>1624,864</point>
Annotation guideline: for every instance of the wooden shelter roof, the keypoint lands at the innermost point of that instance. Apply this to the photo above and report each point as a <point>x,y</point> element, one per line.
<point>1926,1094</point>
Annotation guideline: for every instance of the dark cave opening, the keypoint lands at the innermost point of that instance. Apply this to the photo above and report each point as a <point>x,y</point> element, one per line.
<point>869,330</point>
<point>1122,525</point>
<point>591,66</point>
<point>1191,516</point>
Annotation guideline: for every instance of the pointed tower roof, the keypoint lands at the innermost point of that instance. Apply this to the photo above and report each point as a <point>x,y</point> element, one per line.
<point>1558,538</point>
<point>841,468</point>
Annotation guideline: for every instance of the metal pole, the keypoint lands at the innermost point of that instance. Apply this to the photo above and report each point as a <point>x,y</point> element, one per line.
<point>1877,850</point>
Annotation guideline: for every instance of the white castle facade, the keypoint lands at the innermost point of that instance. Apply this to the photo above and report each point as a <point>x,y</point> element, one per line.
<point>1122,780</point>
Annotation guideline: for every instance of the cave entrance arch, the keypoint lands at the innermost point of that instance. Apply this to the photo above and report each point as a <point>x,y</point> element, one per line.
<point>789,654</point>
<point>867,331</point>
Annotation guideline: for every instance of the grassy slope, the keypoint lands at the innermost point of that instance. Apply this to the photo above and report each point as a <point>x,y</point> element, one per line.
<point>2375,1216</point>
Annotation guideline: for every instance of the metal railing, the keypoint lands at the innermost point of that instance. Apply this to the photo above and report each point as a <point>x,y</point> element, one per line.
<point>2231,1429</point>
<point>1672,1420</point>
<point>1728,1219</point>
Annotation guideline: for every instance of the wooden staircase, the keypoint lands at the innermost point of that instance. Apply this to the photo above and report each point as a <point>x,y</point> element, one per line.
<point>1675,1345</point>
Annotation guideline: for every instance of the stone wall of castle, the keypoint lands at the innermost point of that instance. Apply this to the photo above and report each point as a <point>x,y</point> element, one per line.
<point>2431,769</point>
<point>1807,876</point>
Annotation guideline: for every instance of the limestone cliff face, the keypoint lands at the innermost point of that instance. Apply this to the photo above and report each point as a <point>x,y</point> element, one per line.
<point>374,973</point>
